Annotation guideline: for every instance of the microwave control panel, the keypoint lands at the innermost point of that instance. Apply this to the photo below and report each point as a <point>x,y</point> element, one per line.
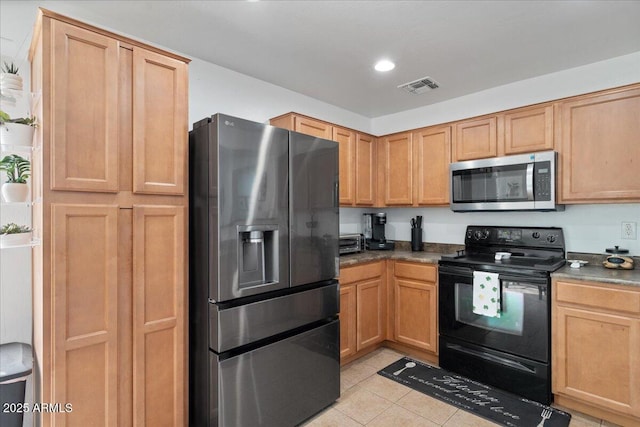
<point>542,181</point>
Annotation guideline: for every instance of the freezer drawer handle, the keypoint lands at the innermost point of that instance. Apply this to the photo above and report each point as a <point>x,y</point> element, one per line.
<point>492,358</point>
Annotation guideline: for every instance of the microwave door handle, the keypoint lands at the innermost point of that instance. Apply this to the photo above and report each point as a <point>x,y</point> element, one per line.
<point>530,181</point>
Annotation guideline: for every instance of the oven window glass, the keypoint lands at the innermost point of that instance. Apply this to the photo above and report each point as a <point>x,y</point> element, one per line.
<point>512,314</point>
<point>491,184</point>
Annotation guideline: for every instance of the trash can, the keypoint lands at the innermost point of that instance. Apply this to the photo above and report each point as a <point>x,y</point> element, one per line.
<point>16,361</point>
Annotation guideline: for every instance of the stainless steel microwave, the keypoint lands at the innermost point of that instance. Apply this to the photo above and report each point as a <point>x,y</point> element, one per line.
<point>509,183</point>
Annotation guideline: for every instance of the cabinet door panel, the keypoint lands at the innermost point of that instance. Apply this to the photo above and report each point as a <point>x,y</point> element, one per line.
<point>528,130</point>
<point>370,309</point>
<point>415,314</point>
<point>365,166</point>
<point>313,127</point>
<point>599,147</point>
<point>597,358</point>
<point>159,123</point>
<point>346,158</point>
<point>83,119</point>
<point>398,155</point>
<point>85,324</point>
<point>433,156</point>
<point>347,321</point>
<point>158,312</point>
<point>476,139</point>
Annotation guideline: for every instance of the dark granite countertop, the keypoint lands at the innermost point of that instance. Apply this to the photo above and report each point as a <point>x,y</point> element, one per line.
<point>592,272</point>
<point>595,272</point>
<point>369,256</point>
<point>430,254</point>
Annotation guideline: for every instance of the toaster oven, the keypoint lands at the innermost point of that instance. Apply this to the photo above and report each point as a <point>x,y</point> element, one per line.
<point>351,243</point>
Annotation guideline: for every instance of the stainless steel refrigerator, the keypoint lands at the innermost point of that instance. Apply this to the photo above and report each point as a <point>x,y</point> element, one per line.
<point>263,298</point>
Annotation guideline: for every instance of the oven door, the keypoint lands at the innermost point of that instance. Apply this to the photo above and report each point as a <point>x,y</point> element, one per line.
<point>522,329</point>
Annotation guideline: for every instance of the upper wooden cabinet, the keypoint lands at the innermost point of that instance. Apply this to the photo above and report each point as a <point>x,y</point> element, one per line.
<point>364,173</point>
<point>396,152</point>
<point>597,137</point>
<point>86,78</point>
<point>522,130</point>
<point>432,156</point>
<point>528,130</point>
<point>346,140</point>
<point>357,156</point>
<point>84,113</point>
<point>475,139</point>
<point>303,124</point>
<point>160,105</point>
<point>313,127</point>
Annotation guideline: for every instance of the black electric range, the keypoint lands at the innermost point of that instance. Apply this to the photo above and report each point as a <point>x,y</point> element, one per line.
<point>511,350</point>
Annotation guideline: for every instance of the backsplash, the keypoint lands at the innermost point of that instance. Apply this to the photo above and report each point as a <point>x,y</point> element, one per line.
<point>587,228</point>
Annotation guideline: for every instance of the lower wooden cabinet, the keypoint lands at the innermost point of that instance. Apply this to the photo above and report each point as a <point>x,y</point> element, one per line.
<point>415,294</point>
<point>347,321</point>
<point>117,292</point>
<point>596,349</point>
<point>362,307</point>
<point>84,313</point>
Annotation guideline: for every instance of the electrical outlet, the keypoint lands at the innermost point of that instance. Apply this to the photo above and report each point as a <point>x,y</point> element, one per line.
<point>629,230</point>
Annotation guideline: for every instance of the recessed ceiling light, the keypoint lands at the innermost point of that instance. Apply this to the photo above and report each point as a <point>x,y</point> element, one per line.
<point>384,65</point>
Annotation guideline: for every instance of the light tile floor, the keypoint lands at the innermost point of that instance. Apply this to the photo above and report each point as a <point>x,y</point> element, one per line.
<point>372,400</point>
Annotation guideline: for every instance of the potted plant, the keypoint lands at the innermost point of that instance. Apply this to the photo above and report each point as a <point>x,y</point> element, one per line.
<point>9,78</point>
<point>13,234</point>
<point>18,131</point>
<point>17,169</point>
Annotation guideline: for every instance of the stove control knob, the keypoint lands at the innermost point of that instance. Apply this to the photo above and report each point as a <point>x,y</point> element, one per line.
<point>469,234</point>
<point>481,234</point>
<point>535,235</point>
<point>551,238</point>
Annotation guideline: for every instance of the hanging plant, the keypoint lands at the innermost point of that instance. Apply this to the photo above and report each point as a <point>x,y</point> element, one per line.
<point>5,118</point>
<point>10,68</point>
<point>17,168</point>
<point>13,228</point>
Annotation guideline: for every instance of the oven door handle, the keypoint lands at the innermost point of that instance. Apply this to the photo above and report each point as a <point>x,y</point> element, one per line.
<point>492,358</point>
<point>459,271</point>
<point>538,281</point>
<point>468,272</point>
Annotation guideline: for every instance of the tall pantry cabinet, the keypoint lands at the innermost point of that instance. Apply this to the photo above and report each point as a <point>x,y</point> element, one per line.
<point>110,206</point>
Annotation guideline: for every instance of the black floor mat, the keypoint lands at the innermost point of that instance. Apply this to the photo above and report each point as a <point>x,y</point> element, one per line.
<point>487,402</point>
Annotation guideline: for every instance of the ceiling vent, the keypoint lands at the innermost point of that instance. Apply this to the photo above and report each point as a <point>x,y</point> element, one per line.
<point>420,86</point>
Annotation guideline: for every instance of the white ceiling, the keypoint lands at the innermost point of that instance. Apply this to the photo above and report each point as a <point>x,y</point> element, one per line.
<point>326,49</point>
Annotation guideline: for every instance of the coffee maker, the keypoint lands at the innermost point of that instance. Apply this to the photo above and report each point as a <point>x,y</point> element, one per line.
<point>373,230</point>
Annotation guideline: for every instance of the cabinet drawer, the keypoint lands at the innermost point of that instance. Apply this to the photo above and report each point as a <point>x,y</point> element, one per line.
<point>360,272</point>
<point>597,296</point>
<point>417,271</point>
